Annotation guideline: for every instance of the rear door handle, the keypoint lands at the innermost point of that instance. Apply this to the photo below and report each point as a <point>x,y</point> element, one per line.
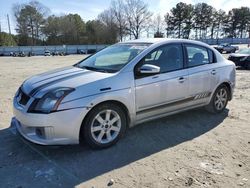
<point>181,79</point>
<point>213,72</point>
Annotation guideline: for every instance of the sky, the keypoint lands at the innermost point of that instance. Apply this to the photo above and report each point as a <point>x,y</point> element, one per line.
<point>89,9</point>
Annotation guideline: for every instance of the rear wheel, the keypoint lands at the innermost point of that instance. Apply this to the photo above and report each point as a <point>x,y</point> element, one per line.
<point>219,100</point>
<point>104,125</point>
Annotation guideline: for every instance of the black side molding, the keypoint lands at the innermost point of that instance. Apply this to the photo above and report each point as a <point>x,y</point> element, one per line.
<point>105,89</point>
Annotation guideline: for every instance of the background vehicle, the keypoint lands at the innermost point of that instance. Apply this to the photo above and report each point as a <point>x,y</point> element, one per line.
<point>47,53</point>
<point>226,47</point>
<point>21,54</point>
<point>13,54</point>
<point>30,54</point>
<point>125,84</point>
<point>55,53</point>
<point>79,51</point>
<point>241,58</point>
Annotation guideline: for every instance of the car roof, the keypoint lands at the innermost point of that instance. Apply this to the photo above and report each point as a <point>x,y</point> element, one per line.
<point>164,40</point>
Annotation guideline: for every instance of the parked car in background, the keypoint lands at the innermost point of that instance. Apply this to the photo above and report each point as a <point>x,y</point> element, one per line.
<point>79,51</point>
<point>55,53</point>
<point>21,54</point>
<point>31,54</point>
<point>47,53</point>
<point>241,58</point>
<point>97,99</point>
<point>13,54</point>
<point>227,48</point>
<point>63,53</point>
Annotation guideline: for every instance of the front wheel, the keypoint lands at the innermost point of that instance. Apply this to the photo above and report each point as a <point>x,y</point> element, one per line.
<point>219,100</point>
<point>104,125</point>
<point>233,51</point>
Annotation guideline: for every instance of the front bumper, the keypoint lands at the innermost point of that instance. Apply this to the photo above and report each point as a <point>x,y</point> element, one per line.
<point>58,128</point>
<point>238,62</point>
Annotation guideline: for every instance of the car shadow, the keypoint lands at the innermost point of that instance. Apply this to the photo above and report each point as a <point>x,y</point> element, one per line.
<point>140,142</point>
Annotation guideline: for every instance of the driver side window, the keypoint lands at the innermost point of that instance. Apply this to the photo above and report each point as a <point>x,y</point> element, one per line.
<point>168,58</point>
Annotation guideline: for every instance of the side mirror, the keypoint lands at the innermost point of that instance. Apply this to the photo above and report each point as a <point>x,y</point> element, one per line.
<point>149,69</point>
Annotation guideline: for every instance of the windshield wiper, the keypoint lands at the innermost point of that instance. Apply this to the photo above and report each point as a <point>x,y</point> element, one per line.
<point>97,69</point>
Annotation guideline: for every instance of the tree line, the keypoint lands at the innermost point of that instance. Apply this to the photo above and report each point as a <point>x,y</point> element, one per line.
<point>125,19</point>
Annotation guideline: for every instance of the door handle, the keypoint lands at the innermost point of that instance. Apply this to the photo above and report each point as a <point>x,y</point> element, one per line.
<point>181,79</point>
<point>213,72</point>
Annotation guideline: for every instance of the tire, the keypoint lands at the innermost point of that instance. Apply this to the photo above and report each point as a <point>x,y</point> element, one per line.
<point>233,51</point>
<point>217,105</point>
<point>98,130</point>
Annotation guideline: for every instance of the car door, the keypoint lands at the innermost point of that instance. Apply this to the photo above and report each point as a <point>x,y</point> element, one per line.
<point>200,73</point>
<point>227,48</point>
<point>154,93</point>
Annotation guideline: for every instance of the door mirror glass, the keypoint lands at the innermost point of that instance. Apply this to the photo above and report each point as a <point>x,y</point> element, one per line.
<point>149,69</point>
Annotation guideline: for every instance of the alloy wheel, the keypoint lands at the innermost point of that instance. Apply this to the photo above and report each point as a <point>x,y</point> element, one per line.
<point>220,100</point>
<point>106,126</point>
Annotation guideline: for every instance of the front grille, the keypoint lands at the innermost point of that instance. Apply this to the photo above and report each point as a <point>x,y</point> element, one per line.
<point>22,98</point>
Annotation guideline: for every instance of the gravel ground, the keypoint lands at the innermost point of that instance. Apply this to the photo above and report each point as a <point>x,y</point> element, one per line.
<point>193,148</point>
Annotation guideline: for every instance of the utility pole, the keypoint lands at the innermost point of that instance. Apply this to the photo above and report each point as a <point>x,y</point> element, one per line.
<point>8,23</point>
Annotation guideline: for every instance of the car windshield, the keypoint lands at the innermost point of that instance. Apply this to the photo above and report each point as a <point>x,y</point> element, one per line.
<point>244,51</point>
<point>113,58</point>
<point>224,44</point>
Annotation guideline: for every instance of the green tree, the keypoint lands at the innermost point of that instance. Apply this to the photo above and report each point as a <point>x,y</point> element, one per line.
<point>180,19</point>
<point>95,32</point>
<point>244,20</point>
<point>218,19</point>
<point>170,25</point>
<point>7,39</point>
<point>66,29</point>
<point>202,19</point>
<point>30,19</point>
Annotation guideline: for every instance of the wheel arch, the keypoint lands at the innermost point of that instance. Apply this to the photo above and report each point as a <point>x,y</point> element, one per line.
<point>227,84</point>
<point>115,102</point>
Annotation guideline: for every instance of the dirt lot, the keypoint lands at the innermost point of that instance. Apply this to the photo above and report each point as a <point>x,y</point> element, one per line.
<point>193,148</point>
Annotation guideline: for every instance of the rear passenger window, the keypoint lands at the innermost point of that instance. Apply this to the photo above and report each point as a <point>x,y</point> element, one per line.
<point>197,55</point>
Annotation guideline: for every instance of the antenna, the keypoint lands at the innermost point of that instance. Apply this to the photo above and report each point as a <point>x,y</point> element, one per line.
<point>8,23</point>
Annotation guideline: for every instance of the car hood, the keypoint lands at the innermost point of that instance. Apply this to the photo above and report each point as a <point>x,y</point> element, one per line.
<point>72,77</point>
<point>219,46</point>
<point>239,55</point>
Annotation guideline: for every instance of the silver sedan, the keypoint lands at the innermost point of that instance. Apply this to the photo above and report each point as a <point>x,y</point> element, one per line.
<point>97,99</point>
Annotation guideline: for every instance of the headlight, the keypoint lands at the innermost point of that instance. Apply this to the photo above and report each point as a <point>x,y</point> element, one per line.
<point>50,101</point>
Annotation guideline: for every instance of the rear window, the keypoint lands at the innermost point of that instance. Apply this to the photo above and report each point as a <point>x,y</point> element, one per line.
<point>211,56</point>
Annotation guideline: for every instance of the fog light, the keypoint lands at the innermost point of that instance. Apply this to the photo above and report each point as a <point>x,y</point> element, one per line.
<point>40,132</point>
